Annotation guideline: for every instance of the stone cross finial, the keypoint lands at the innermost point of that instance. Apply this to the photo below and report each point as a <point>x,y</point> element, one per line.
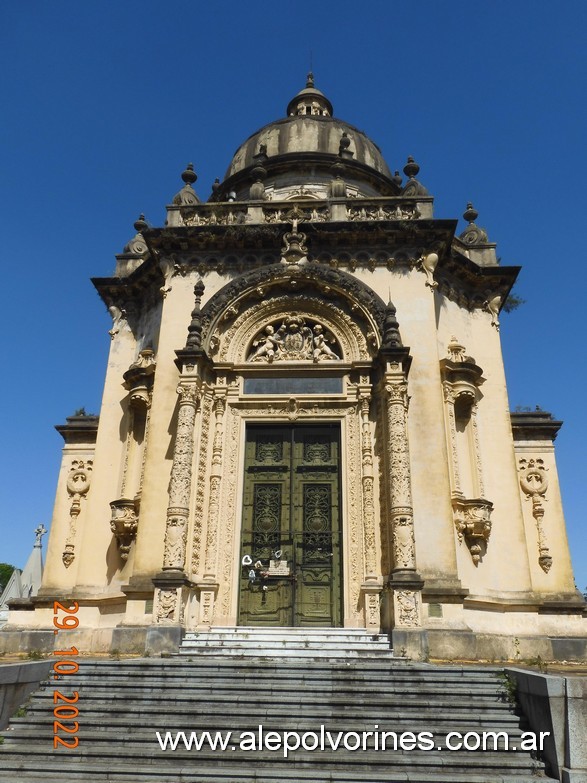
<point>40,531</point>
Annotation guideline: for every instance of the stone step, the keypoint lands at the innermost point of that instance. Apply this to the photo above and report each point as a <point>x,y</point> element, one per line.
<point>123,704</point>
<point>278,642</point>
<point>490,761</point>
<point>229,773</point>
<point>214,722</point>
<point>397,667</point>
<point>275,687</point>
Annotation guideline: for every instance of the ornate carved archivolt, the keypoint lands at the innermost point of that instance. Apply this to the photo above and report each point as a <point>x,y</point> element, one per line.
<point>78,484</point>
<point>313,281</point>
<point>294,338</point>
<point>462,378</point>
<point>534,483</point>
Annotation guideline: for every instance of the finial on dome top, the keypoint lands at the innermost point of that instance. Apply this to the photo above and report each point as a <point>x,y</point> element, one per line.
<point>309,101</point>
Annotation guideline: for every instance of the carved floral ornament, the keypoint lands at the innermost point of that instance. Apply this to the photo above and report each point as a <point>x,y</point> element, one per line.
<point>294,338</point>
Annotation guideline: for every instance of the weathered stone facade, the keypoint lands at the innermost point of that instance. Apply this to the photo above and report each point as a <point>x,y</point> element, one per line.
<point>312,288</point>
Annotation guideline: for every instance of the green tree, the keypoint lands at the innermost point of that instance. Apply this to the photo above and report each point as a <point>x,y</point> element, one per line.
<point>5,573</point>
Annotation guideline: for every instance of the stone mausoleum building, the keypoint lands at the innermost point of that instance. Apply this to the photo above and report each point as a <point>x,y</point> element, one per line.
<point>305,423</point>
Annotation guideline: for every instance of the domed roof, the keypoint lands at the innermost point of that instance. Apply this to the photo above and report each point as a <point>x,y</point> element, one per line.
<point>311,137</point>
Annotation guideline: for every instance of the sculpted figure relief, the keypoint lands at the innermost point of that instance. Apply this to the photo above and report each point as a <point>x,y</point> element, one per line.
<point>294,339</point>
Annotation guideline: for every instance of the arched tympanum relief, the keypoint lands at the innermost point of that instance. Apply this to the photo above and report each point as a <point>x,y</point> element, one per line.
<point>294,338</point>
<point>247,340</point>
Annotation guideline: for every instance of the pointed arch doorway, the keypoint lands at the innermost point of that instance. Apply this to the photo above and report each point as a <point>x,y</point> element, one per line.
<point>291,558</point>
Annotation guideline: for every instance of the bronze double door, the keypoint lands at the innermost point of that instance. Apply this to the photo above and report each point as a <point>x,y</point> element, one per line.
<point>290,571</point>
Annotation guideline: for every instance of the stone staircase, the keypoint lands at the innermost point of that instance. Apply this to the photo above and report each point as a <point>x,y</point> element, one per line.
<point>269,642</point>
<point>207,688</point>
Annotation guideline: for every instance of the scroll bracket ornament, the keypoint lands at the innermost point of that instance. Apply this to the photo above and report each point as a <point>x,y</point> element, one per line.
<point>534,483</point>
<point>428,264</point>
<point>78,484</point>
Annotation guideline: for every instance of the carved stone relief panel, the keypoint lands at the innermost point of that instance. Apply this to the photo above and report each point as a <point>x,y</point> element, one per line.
<point>534,484</point>
<point>78,484</point>
<point>294,338</point>
<point>297,333</point>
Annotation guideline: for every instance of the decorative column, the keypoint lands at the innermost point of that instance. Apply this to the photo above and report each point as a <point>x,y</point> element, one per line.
<point>370,588</point>
<point>208,587</point>
<point>404,581</point>
<point>172,585</point>
<point>180,483</point>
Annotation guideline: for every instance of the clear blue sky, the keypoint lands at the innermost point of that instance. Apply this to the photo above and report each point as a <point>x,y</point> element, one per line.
<point>103,104</point>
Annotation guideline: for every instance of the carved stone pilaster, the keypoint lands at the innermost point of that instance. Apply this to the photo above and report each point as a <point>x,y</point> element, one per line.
<point>78,484</point>
<point>534,483</point>
<point>368,489</point>
<point>400,489</point>
<point>215,484</point>
<point>181,479</point>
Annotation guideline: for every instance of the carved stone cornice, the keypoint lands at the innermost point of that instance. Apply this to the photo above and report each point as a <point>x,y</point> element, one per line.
<point>79,429</point>
<point>534,426</point>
